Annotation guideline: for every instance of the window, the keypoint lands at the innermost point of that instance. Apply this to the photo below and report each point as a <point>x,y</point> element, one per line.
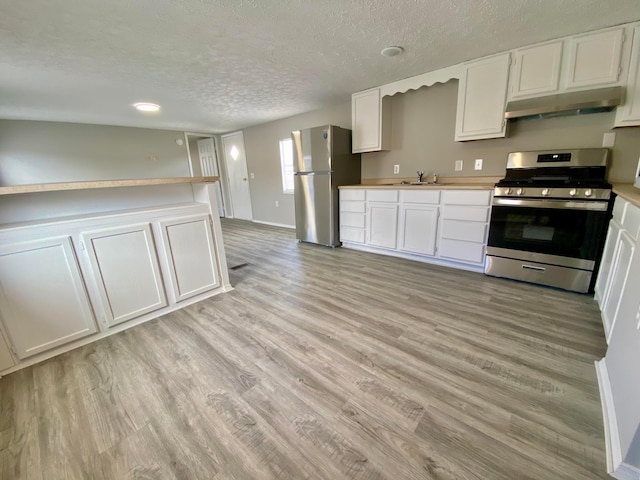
<point>286,161</point>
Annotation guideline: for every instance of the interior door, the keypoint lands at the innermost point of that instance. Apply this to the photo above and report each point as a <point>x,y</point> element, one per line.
<point>209,167</point>
<point>236,162</point>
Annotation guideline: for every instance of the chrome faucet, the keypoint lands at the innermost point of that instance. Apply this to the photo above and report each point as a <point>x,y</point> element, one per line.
<point>420,174</point>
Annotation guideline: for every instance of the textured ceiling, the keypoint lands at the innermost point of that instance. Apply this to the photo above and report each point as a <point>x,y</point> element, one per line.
<point>221,65</point>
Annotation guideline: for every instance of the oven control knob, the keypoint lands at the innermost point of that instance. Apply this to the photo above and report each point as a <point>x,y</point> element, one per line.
<point>507,191</point>
<point>573,192</point>
<point>520,191</point>
<point>545,192</point>
<point>588,192</point>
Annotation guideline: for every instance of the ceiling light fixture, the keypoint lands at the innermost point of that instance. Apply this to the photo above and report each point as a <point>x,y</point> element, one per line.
<point>146,107</point>
<point>391,51</point>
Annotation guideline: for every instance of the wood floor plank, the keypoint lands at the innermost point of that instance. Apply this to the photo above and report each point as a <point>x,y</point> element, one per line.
<point>323,364</point>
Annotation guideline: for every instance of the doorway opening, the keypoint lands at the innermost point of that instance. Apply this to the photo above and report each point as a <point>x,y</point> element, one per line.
<point>202,151</point>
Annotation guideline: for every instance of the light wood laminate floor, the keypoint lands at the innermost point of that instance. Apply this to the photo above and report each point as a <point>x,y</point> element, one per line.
<point>323,364</point>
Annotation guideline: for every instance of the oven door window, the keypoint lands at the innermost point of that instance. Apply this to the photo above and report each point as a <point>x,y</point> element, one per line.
<point>567,233</point>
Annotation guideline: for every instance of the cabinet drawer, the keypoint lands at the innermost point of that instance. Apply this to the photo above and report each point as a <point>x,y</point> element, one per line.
<point>382,195</point>
<point>463,251</point>
<point>352,194</point>
<point>349,219</point>
<point>618,209</point>
<point>467,197</point>
<point>631,220</point>
<point>356,207</point>
<point>474,214</point>
<point>420,196</point>
<point>466,231</point>
<point>350,234</point>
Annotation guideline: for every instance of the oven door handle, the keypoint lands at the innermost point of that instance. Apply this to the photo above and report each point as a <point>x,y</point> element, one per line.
<point>551,203</point>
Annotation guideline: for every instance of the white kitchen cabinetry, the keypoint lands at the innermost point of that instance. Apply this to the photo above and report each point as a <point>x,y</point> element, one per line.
<point>353,213</point>
<point>125,267</point>
<point>382,218</point>
<point>482,95</point>
<point>536,70</point>
<point>594,59</point>
<point>190,256</point>
<point>6,360</point>
<point>465,217</point>
<point>624,231</point>
<point>447,227</point>
<point>628,114</point>
<point>42,296</point>
<point>370,119</point>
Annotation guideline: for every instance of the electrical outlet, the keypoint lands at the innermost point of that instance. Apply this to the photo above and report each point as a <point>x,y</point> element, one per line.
<point>252,175</point>
<point>478,164</point>
<point>609,139</point>
<point>277,203</point>
<point>396,169</point>
<point>458,165</point>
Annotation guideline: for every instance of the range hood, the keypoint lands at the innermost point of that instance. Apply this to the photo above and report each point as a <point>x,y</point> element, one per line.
<point>574,103</point>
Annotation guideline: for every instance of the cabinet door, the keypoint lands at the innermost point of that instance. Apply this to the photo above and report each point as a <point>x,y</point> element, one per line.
<point>594,59</point>
<point>367,122</point>
<point>42,296</point>
<point>418,228</point>
<point>125,266</point>
<point>191,260</point>
<point>481,99</point>
<point>382,226</point>
<point>619,272</point>
<point>604,274</point>
<point>6,360</point>
<point>628,114</point>
<point>536,70</point>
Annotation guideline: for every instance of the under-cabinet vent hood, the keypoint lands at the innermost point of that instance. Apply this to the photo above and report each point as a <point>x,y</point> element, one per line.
<point>574,103</point>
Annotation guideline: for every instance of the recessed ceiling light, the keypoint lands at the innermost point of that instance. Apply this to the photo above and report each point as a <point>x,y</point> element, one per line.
<point>147,107</point>
<point>391,51</point>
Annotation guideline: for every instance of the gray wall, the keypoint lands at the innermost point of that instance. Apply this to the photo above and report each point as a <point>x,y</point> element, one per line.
<point>45,152</point>
<point>263,160</point>
<point>423,126</point>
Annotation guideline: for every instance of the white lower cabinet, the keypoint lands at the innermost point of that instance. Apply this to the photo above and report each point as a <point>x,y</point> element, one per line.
<point>382,225</point>
<point>6,360</point>
<point>191,260</point>
<point>418,227</point>
<point>440,226</point>
<point>125,267</point>
<point>43,301</point>
<point>620,247</point>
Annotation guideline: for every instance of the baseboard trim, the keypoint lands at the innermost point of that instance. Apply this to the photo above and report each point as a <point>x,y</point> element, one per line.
<point>272,224</point>
<point>627,472</point>
<point>611,435</point>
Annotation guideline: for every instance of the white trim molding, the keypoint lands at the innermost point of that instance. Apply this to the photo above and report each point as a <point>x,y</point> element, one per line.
<point>274,224</point>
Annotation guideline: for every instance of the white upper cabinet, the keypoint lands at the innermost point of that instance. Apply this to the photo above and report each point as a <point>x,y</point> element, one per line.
<point>594,59</point>
<point>628,114</point>
<point>124,264</point>
<point>536,70</point>
<point>42,296</point>
<point>370,120</point>
<point>482,95</point>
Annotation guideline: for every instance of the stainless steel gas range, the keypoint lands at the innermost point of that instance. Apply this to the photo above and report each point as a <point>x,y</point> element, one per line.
<point>549,218</point>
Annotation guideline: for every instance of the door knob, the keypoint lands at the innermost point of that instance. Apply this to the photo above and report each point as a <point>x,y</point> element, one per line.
<point>244,179</point>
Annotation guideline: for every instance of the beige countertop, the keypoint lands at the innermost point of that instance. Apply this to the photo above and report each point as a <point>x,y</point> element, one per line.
<point>628,192</point>
<point>53,187</point>
<point>433,186</point>
<point>444,183</point>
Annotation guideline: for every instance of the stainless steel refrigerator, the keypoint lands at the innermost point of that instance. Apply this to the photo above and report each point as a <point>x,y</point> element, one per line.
<point>322,161</point>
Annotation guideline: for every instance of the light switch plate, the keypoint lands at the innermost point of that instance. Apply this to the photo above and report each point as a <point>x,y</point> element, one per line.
<point>252,175</point>
<point>478,164</point>
<point>458,165</point>
<point>396,169</point>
